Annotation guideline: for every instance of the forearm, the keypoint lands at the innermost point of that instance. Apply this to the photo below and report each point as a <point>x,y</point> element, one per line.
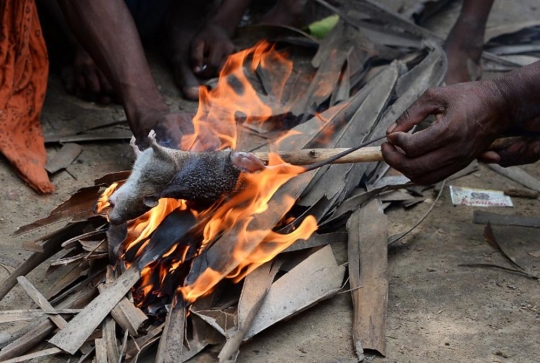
<point>229,14</point>
<point>521,92</point>
<point>476,11</point>
<point>106,30</point>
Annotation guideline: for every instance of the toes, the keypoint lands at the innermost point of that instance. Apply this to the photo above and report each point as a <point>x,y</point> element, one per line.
<point>191,93</point>
<point>187,82</point>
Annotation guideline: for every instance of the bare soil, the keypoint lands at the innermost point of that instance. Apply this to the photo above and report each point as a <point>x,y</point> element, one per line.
<point>438,311</point>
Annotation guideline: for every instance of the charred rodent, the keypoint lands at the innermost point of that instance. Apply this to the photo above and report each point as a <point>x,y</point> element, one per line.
<point>161,172</point>
<point>202,177</point>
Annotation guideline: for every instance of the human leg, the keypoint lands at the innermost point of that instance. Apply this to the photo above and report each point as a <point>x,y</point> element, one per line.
<point>465,42</point>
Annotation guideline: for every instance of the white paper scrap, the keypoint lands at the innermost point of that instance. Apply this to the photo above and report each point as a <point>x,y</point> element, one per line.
<point>479,197</point>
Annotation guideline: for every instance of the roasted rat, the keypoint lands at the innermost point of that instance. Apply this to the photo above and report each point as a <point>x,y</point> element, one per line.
<point>161,172</point>
<point>202,177</point>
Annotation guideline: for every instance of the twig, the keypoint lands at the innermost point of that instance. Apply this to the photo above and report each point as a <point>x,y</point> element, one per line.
<point>124,346</point>
<point>84,356</point>
<point>350,290</point>
<point>94,250</point>
<point>27,357</point>
<point>41,301</point>
<point>424,217</point>
<point>5,267</point>
<point>488,265</point>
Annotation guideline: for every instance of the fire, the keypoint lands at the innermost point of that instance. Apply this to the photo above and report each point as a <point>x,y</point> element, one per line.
<point>234,95</point>
<point>218,114</point>
<point>103,201</point>
<point>270,247</point>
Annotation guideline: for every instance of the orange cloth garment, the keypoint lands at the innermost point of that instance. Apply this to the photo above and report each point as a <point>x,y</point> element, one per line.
<point>24,69</point>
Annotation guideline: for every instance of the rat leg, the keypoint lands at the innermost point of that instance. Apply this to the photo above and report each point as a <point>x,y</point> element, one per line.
<point>152,137</point>
<point>133,144</point>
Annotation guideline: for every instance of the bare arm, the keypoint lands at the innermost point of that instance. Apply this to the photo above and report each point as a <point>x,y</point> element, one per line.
<point>106,30</point>
<point>469,116</point>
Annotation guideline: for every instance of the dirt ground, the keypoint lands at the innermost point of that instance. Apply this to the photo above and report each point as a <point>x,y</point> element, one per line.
<point>438,311</point>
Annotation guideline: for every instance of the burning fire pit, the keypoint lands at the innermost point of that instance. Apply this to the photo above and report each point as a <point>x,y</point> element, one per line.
<point>182,270</point>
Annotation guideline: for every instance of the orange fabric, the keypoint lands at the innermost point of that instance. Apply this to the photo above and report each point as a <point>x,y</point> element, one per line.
<point>23,81</point>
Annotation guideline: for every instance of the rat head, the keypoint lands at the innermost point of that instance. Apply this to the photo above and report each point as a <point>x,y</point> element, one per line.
<point>152,170</point>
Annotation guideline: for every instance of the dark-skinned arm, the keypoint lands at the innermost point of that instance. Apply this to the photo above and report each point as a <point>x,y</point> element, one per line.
<point>469,117</point>
<point>106,30</point>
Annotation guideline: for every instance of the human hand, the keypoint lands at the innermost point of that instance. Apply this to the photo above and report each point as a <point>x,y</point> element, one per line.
<point>520,153</point>
<point>469,116</point>
<point>517,150</point>
<point>86,81</point>
<point>210,49</point>
<point>170,128</point>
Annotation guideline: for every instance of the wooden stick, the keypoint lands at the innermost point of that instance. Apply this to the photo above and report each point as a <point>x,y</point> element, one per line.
<point>41,301</point>
<point>27,357</point>
<point>49,249</point>
<point>171,343</point>
<point>42,330</point>
<point>31,314</point>
<point>365,154</point>
<point>125,313</point>
<point>52,244</point>
<point>79,329</point>
<point>367,256</point>
<point>109,337</point>
<point>310,156</point>
<point>123,347</point>
<point>101,351</point>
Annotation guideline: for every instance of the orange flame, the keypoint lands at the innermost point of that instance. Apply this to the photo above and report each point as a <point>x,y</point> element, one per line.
<point>233,95</point>
<point>217,117</point>
<point>268,248</point>
<point>103,201</point>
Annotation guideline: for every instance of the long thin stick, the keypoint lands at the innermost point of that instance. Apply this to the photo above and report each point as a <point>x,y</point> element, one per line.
<point>363,154</point>
<point>310,156</point>
<point>41,301</point>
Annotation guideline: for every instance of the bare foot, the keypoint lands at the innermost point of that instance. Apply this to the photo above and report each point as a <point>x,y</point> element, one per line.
<point>463,54</point>
<point>184,77</point>
<point>86,81</point>
<point>182,26</point>
<point>465,42</point>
